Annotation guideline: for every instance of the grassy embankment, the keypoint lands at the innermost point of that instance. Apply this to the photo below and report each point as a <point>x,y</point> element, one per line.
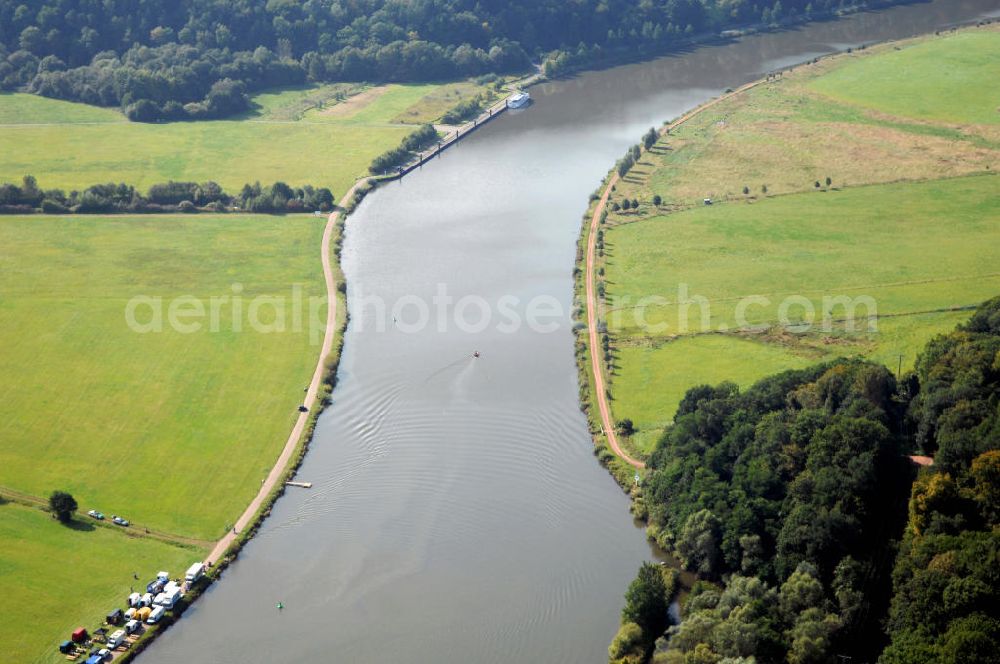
<point>909,135</point>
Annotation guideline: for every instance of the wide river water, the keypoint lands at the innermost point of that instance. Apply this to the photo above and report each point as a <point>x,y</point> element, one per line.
<point>458,513</point>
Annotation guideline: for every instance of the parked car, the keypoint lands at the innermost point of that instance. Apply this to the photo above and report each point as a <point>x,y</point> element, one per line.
<point>303,409</point>
<point>95,514</point>
<point>118,521</point>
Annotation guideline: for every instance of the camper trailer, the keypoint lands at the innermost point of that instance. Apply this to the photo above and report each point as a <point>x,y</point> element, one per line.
<point>168,599</point>
<point>155,615</point>
<point>194,572</point>
<point>116,638</point>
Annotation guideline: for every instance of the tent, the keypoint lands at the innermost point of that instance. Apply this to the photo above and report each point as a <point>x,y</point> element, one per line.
<point>79,635</point>
<point>115,617</point>
<point>143,613</point>
<point>95,659</point>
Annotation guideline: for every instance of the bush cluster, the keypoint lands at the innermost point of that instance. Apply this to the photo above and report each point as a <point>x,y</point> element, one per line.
<point>279,197</point>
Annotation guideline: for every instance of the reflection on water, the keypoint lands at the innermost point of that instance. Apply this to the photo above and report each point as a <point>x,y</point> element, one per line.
<point>457,512</point>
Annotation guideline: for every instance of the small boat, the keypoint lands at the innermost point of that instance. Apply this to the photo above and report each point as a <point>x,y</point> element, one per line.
<point>476,354</point>
<point>519,99</point>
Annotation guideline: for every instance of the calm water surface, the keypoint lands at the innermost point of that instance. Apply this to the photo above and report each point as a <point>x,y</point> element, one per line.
<point>458,514</point>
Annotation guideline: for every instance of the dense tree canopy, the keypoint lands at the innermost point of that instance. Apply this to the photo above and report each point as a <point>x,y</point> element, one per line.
<point>946,604</point>
<point>789,500</point>
<point>164,197</point>
<point>168,59</point>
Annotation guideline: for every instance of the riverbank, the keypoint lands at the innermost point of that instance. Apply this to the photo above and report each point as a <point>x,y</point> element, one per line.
<point>685,190</point>
<point>728,130</point>
<point>561,63</point>
<point>226,550</point>
<point>593,361</point>
<point>455,134</point>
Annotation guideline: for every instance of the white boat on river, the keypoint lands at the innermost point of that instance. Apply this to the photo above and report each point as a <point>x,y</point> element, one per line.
<point>519,99</point>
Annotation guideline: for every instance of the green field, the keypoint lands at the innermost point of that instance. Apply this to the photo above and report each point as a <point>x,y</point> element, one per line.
<point>56,578</point>
<point>911,221</point>
<point>286,137</point>
<point>791,132</point>
<point>172,430</point>
<point>950,80</point>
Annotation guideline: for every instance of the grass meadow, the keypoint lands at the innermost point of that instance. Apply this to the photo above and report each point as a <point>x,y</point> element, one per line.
<point>173,430</point>
<point>287,137</point>
<point>57,578</point>
<point>815,123</point>
<point>911,219</point>
<point>940,80</point>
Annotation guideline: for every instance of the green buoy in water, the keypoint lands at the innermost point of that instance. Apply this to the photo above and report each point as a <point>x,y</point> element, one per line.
<point>280,606</point>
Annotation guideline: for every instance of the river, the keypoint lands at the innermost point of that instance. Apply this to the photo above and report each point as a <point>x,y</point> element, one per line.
<point>458,513</point>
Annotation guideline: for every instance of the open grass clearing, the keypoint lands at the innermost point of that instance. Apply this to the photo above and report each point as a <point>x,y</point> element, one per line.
<point>290,104</point>
<point>886,242</point>
<point>793,131</point>
<point>286,137</point>
<point>169,429</point>
<point>230,152</point>
<point>442,99</point>
<point>949,80</point>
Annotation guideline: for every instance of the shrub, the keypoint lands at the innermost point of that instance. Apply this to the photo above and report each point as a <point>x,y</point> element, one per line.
<point>628,637</point>
<point>50,206</point>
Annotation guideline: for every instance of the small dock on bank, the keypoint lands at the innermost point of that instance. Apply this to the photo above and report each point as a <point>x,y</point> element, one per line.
<point>494,111</point>
<point>301,485</point>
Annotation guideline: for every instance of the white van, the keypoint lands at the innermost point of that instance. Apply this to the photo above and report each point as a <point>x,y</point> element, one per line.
<point>156,614</point>
<point>132,626</point>
<point>194,572</point>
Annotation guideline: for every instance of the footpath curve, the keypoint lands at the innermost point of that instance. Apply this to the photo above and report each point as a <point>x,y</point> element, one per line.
<point>281,464</point>
<point>595,360</point>
<point>595,221</point>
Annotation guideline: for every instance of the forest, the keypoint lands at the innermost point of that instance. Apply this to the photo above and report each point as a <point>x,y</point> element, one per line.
<point>194,59</point>
<point>814,534</point>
